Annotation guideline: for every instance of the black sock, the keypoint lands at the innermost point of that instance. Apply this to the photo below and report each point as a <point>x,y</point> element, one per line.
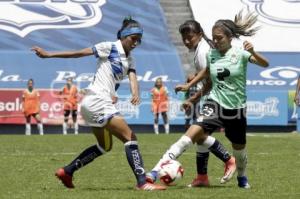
<point>202,161</point>
<point>135,161</point>
<point>219,150</point>
<point>87,156</point>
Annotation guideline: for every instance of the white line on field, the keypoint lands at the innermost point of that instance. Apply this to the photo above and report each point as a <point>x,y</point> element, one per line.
<point>267,135</point>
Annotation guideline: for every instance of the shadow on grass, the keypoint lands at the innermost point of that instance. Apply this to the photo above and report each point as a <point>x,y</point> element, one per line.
<point>209,187</point>
<point>106,188</point>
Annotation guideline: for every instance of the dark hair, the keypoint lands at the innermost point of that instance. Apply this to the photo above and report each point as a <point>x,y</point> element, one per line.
<point>242,25</point>
<point>30,80</point>
<point>192,26</point>
<point>128,22</point>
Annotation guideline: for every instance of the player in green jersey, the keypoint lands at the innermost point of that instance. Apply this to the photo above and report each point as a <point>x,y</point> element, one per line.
<point>226,104</point>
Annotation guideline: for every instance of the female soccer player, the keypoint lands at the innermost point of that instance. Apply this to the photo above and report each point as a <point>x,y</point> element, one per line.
<point>195,39</point>
<point>97,108</point>
<point>160,104</point>
<point>226,104</point>
<point>31,107</point>
<point>69,94</point>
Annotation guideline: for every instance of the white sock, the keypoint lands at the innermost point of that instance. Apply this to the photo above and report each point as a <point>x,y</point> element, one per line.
<point>156,129</point>
<point>76,128</point>
<point>209,141</point>
<point>41,129</point>
<point>241,161</point>
<point>65,128</point>
<point>175,150</point>
<point>167,128</point>
<point>202,149</point>
<point>27,129</point>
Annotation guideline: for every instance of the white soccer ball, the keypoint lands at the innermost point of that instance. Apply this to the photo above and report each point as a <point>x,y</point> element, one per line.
<point>170,172</point>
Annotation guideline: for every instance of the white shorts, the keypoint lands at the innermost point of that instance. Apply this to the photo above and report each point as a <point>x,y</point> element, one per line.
<point>97,109</point>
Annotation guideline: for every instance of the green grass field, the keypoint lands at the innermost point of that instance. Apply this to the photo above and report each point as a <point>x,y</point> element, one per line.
<point>28,163</point>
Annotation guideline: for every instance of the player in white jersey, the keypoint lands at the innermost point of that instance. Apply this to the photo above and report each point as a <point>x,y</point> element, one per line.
<point>98,109</point>
<point>195,40</point>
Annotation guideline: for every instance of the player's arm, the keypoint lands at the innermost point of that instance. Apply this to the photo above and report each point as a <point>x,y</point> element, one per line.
<point>186,105</point>
<point>134,87</point>
<point>202,74</point>
<point>256,57</point>
<point>204,91</point>
<point>62,54</point>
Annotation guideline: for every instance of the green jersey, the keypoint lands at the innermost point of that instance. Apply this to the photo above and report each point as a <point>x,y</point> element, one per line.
<point>228,74</point>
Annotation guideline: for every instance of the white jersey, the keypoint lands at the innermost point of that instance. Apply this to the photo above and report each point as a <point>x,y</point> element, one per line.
<point>200,57</point>
<point>112,67</point>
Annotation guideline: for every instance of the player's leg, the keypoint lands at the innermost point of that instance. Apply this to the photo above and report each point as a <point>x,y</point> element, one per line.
<point>235,130</point>
<point>121,130</point>
<point>66,118</point>
<point>213,145</point>
<point>104,144</point>
<point>202,156</point>
<point>38,119</point>
<point>211,119</point>
<point>27,125</point>
<point>155,125</point>
<point>166,122</point>
<point>176,150</point>
<point>74,118</point>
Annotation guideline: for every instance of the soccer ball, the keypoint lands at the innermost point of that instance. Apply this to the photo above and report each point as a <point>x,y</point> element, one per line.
<point>170,172</point>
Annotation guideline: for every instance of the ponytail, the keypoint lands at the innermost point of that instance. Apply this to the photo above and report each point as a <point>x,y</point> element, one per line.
<point>241,26</point>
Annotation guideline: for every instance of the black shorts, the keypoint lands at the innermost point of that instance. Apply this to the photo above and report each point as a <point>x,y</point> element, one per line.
<point>67,113</point>
<point>232,120</point>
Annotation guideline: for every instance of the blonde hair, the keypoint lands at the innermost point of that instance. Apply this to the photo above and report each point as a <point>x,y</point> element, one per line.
<point>242,25</point>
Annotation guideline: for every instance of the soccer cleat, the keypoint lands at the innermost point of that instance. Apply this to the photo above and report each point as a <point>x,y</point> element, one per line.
<point>65,178</point>
<point>243,182</point>
<point>200,181</point>
<point>151,177</point>
<point>150,187</point>
<point>230,168</point>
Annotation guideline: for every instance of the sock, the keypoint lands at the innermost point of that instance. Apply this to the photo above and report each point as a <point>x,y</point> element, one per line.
<point>167,128</point>
<point>175,151</point>
<point>27,129</point>
<point>156,129</point>
<point>76,128</point>
<point>217,148</point>
<point>241,161</point>
<point>135,161</point>
<point>202,159</point>
<point>87,156</point>
<point>65,128</point>
<point>41,129</point>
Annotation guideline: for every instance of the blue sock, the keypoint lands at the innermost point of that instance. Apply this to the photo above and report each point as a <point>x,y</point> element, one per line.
<point>135,161</point>
<point>87,156</point>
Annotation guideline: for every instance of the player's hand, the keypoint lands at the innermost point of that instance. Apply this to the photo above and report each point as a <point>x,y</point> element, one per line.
<point>187,105</point>
<point>114,99</point>
<point>248,46</point>
<point>40,52</point>
<point>135,100</point>
<point>181,87</point>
